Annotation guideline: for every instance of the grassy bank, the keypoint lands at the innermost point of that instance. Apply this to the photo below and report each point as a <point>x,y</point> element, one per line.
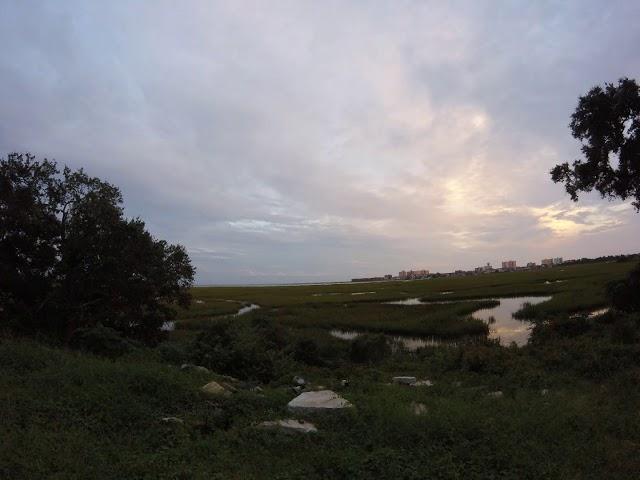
<point>69,415</point>
<point>74,415</point>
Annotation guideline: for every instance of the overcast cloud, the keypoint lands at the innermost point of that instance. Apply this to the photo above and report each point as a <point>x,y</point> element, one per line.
<point>311,141</point>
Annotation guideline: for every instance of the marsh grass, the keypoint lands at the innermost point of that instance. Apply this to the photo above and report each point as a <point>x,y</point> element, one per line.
<point>71,415</point>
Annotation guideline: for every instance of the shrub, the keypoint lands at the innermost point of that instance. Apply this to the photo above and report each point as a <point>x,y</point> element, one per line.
<point>172,352</point>
<point>306,350</point>
<point>483,358</point>
<point>625,294</point>
<point>101,340</point>
<point>369,349</point>
<point>251,350</point>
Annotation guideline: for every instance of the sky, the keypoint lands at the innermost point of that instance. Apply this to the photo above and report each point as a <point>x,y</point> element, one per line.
<point>315,141</point>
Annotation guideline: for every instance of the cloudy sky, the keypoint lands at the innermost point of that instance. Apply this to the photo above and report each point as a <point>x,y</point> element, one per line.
<point>312,141</point>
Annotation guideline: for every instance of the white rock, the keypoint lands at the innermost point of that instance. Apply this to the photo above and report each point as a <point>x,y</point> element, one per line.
<point>172,420</point>
<point>404,380</point>
<point>290,426</point>
<point>496,394</point>
<point>422,383</point>
<point>214,388</point>
<point>418,408</point>
<point>197,368</point>
<point>299,381</point>
<point>317,401</point>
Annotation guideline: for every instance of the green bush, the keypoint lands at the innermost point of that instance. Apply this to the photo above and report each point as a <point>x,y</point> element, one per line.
<point>307,351</point>
<point>172,352</point>
<point>250,350</point>
<point>101,340</point>
<point>369,349</point>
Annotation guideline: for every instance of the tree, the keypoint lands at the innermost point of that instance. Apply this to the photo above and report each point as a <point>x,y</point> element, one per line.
<point>69,259</point>
<point>607,122</point>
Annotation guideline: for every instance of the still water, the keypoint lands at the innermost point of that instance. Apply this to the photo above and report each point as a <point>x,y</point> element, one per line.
<point>505,327</point>
<point>502,325</point>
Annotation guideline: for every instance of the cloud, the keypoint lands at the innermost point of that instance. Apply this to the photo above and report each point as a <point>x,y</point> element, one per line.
<point>324,140</point>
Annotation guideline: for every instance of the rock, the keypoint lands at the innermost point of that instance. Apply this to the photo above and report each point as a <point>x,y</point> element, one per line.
<point>257,389</point>
<point>214,388</point>
<point>404,380</point>
<point>422,383</point>
<point>344,383</point>
<point>496,394</point>
<point>175,420</point>
<point>544,392</point>
<point>290,426</point>
<point>297,389</point>
<point>299,381</point>
<point>418,408</point>
<point>318,401</point>
<point>197,368</point>
<point>199,302</point>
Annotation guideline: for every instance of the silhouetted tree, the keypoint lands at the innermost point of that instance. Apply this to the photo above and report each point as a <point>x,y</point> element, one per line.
<point>69,259</point>
<point>607,122</point>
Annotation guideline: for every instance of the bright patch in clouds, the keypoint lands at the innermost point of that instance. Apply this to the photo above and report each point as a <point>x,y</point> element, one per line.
<point>293,141</point>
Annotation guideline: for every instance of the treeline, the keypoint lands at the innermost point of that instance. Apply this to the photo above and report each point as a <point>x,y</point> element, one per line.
<point>70,260</point>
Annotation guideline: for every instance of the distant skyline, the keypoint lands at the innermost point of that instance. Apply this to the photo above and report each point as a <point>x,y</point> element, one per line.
<point>286,142</point>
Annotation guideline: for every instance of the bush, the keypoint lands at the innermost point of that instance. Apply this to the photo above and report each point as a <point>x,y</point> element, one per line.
<point>483,358</point>
<point>172,352</point>
<point>249,350</point>
<point>624,295</point>
<point>101,340</point>
<point>306,350</point>
<point>369,349</point>
<point>625,329</point>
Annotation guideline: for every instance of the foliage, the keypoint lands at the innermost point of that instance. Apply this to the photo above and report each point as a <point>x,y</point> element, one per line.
<point>70,260</point>
<point>607,121</point>
<point>250,350</point>
<point>625,294</point>
<point>101,340</point>
<point>369,349</point>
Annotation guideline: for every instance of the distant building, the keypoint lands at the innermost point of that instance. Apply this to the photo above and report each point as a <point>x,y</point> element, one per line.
<point>547,262</point>
<point>413,274</point>
<point>531,265</point>
<point>509,265</point>
<point>557,261</point>
<point>486,269</point>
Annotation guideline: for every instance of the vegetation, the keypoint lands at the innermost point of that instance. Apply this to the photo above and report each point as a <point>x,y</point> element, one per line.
<point>107,405</point>
<point>70,260</point>
<point>607,121</point>
<point>97,411</point>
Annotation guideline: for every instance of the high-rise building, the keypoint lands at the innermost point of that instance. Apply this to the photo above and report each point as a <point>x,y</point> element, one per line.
<point>509,265</point>
<point>546,262</point>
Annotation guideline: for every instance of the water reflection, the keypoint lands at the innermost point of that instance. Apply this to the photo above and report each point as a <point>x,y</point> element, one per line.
<point>407,343</point>
<point>502,325</point>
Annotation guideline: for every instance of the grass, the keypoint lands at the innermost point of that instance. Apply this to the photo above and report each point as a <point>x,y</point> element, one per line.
<point>587,278</point>
<point>71,415</point>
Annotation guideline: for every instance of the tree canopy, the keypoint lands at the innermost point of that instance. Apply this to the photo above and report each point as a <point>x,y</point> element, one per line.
<point>69,259</point>
<point>607,122</point>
